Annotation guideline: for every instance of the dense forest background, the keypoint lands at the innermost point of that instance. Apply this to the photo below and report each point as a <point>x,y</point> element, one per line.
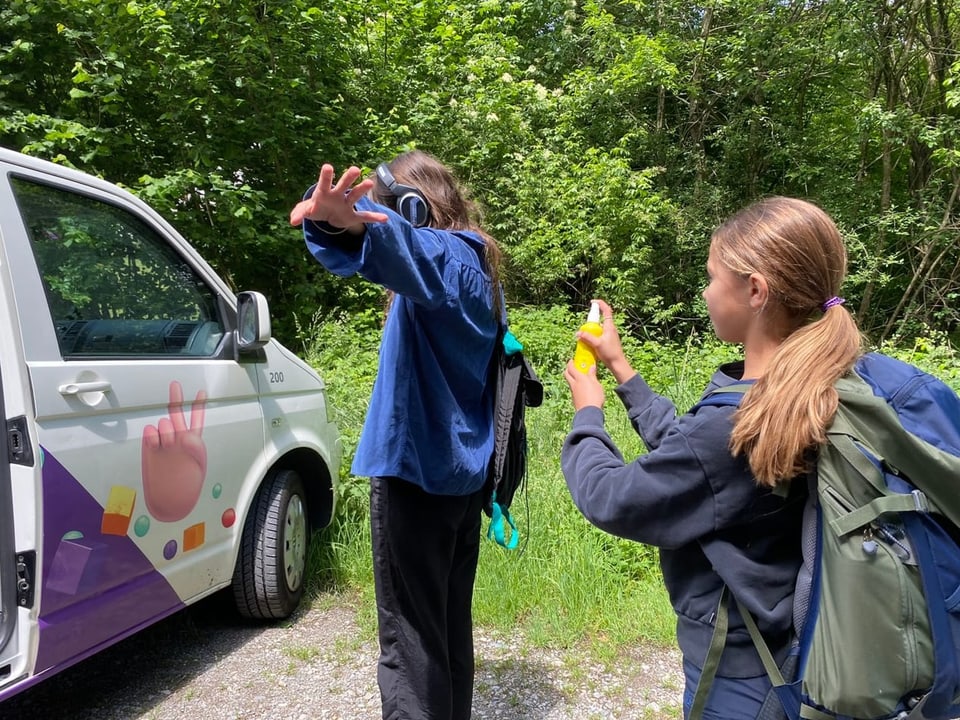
<point>604,139</point>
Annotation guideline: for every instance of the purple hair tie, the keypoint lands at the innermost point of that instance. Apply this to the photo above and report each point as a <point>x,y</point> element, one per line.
<point>831,302</point>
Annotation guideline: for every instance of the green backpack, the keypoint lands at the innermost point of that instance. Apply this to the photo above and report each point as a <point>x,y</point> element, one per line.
<point>878,598</point>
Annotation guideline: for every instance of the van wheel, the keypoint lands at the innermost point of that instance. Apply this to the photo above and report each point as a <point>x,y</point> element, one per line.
<point>268,578</point>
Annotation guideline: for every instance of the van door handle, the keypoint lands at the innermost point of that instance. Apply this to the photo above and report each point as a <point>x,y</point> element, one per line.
<point>75,388</point>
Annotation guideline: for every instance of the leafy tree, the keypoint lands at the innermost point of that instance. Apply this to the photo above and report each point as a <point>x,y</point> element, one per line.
<point>604,139</point>
<point>217,112</point>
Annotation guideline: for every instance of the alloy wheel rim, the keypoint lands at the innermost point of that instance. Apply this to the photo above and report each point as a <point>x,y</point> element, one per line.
<point>294,542</point>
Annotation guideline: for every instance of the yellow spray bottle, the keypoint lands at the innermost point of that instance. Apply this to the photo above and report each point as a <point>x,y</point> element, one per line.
<point>584,357</point>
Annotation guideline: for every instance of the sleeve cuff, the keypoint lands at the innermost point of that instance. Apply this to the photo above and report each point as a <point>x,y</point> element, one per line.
<point>326,228</point>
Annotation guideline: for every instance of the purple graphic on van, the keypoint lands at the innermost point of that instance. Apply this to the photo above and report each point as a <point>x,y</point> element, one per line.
<point>98,585</point>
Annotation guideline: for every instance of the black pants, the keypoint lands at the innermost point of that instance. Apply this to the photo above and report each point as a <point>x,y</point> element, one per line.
<point>425,550</point>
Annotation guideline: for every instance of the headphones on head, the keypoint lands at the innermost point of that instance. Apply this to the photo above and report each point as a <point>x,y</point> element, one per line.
<point>411,204</point>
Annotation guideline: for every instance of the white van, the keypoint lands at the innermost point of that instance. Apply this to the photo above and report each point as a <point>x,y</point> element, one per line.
<point>157,445</point>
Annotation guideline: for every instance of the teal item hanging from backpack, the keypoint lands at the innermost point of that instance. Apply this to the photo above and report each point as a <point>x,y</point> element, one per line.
<point>517,387</point>
<point>881,605</point>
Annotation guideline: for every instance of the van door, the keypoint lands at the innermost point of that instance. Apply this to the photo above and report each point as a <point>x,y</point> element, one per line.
<point>147,425</point>
<point>8,560</point>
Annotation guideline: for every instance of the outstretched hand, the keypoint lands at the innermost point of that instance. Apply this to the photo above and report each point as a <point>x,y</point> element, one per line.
<point>333,202</point>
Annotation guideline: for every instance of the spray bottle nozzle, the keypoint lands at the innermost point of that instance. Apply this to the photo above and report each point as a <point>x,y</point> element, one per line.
<point>594,314</point>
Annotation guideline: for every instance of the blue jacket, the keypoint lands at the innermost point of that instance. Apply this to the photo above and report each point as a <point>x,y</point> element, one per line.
<point>430,418</point>
<point>702,507</point>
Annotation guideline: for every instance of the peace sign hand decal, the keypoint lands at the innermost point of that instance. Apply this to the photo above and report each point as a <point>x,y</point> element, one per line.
<point>174,459</point>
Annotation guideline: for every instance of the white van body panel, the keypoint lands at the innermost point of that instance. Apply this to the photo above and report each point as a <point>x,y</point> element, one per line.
<point>151,433</point>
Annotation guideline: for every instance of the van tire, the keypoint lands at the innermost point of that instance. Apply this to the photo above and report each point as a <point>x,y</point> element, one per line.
<point>269,575</point>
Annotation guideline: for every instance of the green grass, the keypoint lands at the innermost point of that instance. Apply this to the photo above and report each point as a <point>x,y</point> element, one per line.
<point>302,653</point>
<point>572,584</point>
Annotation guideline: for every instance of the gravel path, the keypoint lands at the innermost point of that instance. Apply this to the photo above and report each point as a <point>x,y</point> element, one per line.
<point>200,665</point>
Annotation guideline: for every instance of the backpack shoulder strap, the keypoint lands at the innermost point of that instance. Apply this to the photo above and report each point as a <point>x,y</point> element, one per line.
<point>712,661</point>
<point>728,395</point>
<point>515,386</point>
<point>715,650</point>
<point>508,385</point>
<point>866,422</point>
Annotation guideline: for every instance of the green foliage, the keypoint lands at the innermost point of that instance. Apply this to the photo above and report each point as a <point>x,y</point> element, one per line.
<point>218,112</point>
<point>932,352</point>
<point>585,230</point>
<point>605,140</point>
<point>344,351</point>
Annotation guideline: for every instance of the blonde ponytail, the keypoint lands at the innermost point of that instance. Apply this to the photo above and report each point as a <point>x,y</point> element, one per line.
<point>798,249</point>
<point>786,414</point>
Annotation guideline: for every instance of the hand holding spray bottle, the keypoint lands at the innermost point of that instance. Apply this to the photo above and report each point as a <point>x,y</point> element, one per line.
<point>583,357</point>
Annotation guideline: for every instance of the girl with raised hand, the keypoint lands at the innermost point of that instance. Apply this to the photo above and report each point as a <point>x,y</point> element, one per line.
<point>428,435</point>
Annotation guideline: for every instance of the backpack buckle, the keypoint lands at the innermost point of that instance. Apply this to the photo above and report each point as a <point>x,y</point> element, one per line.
<point>920,501</point>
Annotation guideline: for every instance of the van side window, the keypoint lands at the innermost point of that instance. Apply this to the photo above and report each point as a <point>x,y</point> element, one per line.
<point>114,286</point>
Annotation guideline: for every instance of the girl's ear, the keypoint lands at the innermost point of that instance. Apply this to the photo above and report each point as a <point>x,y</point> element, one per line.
<point>759,291</point>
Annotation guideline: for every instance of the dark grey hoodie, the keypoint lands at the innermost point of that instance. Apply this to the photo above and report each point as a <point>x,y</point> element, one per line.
<point>702,507</point>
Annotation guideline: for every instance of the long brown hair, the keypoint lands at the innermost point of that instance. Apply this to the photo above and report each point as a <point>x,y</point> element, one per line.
<point>451,207</point>
<point>798,249</point>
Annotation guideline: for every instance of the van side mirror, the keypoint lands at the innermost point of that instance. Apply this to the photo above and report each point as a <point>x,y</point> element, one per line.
<point>253,321</point>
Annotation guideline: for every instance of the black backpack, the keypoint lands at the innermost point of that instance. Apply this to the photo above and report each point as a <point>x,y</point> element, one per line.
<point>517,388</point>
